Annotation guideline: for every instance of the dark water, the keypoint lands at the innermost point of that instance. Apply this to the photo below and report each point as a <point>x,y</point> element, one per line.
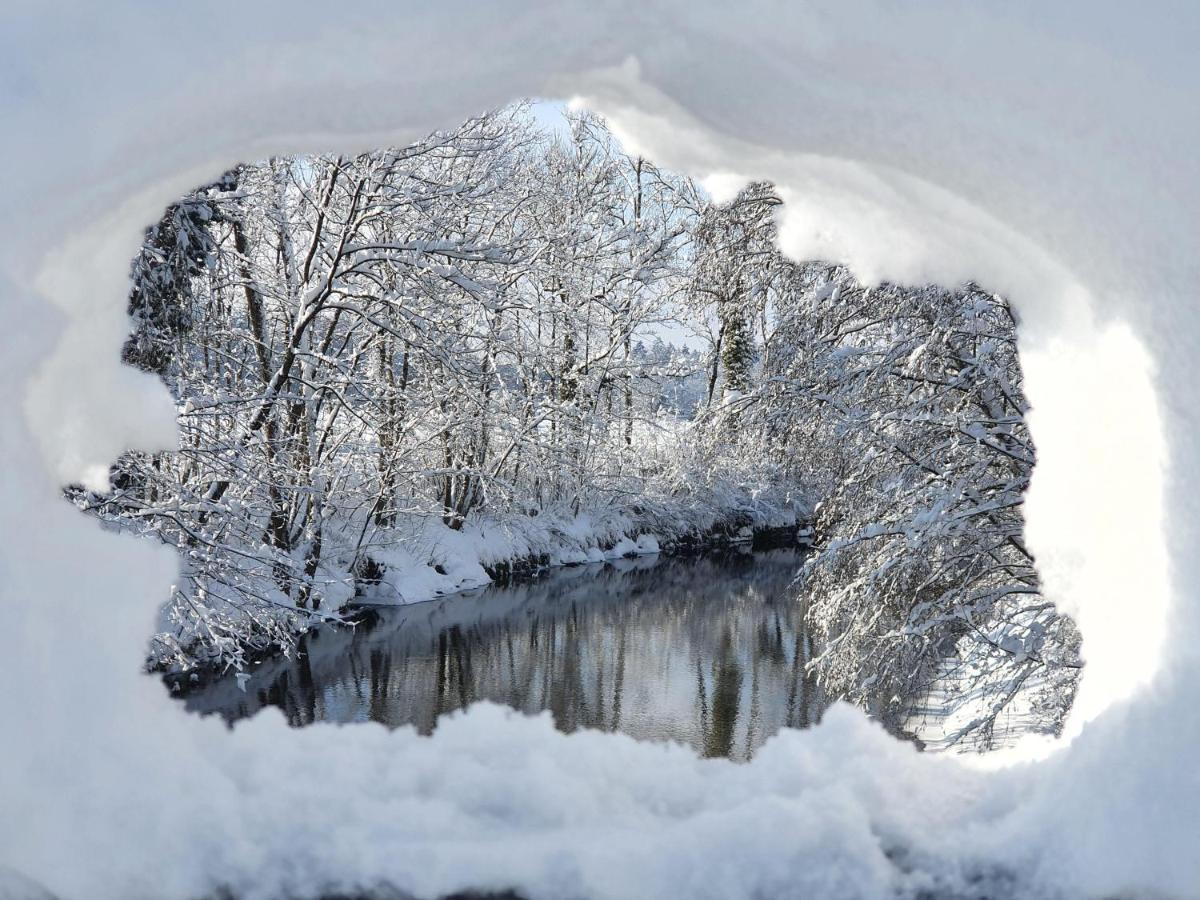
<point>708,651</point>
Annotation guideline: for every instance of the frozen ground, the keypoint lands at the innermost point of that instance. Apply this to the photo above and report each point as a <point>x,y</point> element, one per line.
<point>1046,150</point>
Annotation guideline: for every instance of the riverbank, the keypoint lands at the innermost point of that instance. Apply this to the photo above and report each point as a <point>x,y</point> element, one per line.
<point>425,560</point>
<point>439,561</point>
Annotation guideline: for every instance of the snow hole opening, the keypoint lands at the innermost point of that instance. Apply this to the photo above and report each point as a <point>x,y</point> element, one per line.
<point>276,295</point>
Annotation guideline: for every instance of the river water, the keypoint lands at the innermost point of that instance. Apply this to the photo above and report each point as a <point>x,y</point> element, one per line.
<point>708,651</point>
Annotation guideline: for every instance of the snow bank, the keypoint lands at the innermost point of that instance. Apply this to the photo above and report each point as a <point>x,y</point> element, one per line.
<point>435,560</point>
<point>1045,150</point>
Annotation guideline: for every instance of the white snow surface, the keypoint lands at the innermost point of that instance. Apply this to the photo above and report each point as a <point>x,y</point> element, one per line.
<point>411,574</point>
<point>1046,150</point>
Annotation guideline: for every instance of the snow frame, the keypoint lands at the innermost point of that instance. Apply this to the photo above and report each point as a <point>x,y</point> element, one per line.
<point>1043,152</point>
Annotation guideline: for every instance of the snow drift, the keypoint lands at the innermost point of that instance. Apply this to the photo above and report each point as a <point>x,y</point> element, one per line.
<point>1046,151</point>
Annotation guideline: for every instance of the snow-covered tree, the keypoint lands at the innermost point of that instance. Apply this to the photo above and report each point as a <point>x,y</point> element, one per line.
<point>362,345</point>
<point>903,409</point>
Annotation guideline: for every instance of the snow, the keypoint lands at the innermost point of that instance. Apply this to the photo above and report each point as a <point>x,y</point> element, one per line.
<point>435,560</point>
<point>647,545</point>
<point>1046,151</point>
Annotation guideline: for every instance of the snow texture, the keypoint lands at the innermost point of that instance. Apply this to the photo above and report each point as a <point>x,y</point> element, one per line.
<point>1047,151</point>
<point>439,561</point>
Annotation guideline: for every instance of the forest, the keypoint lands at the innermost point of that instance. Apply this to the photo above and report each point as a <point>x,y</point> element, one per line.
<point>513,345</point>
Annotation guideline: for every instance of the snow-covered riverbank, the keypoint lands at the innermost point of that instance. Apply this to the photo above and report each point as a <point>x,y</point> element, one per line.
<point>424,560</point>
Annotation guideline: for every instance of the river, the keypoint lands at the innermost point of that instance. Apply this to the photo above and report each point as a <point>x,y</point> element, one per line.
<point>708,651</point>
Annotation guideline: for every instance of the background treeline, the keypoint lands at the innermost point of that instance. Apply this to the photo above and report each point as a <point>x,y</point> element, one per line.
<point>423,359</point>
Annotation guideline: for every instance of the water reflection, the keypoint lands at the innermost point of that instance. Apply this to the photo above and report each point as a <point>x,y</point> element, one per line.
<point>708,651</point>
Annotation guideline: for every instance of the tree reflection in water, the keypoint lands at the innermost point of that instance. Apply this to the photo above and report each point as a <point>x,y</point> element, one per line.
<point>709,651</point>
